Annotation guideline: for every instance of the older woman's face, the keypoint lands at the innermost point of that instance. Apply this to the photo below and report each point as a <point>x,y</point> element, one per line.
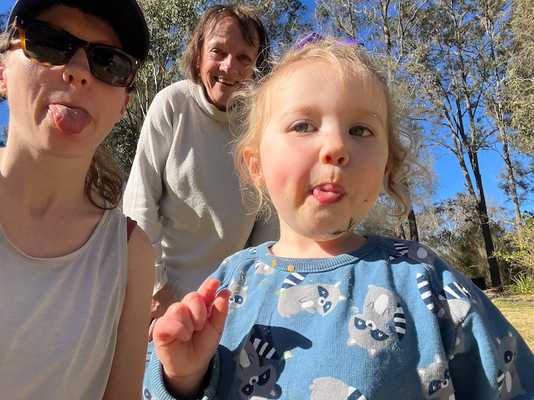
<point>63,110</point>
<point>226,59</point>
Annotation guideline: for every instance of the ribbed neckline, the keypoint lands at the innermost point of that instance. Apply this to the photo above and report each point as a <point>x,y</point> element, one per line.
<point>59,259</point>
<point>197,92</point>
<point>308,265</point>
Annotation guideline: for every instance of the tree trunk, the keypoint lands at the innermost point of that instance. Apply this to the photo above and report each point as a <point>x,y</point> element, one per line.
<point>482,211</point>
<point>412,223</point>
<point>484,225</point>
<point>512,187</point>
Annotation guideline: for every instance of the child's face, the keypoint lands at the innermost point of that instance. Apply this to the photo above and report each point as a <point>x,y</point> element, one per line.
<point>324,150</point>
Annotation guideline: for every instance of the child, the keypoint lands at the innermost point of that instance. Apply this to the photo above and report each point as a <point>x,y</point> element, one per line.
<point>74,291</point>
<point>325,313</point>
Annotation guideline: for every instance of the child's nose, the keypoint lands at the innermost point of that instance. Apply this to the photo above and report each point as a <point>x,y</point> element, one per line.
<point>334,151</point>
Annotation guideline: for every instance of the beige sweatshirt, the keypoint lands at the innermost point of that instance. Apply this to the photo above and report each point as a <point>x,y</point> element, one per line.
<point>183,190</point>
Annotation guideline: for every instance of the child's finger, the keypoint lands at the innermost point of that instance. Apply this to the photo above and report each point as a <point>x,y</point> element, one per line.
<point>175,324</point>
<point>208,290</point>
<point>197,309</point>
<point>220,311</point>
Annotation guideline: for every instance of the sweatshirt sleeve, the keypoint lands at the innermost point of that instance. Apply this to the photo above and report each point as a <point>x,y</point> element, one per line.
<point>495,361</point>
<point>143,191</point>
<point>153,384</point>
<point>488,359</point>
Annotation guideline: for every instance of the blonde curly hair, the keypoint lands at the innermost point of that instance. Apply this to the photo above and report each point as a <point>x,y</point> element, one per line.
<point>249,111</point>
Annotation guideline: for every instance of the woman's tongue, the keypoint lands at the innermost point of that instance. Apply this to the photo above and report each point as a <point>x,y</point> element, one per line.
<point>69,120</point>
<point>326,194</point>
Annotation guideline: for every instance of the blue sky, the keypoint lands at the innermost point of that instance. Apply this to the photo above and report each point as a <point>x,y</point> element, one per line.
<point>449,179</point>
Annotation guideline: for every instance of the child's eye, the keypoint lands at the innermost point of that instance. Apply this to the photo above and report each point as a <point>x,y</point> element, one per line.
<point>359,130</point>
<point>302,127</point>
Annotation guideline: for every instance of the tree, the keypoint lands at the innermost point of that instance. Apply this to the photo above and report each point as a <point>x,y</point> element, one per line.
<point>452,229</point>
<point>520,75</point>
<point>494,16</point>
<point>520,249</point>
<point>445,65</point>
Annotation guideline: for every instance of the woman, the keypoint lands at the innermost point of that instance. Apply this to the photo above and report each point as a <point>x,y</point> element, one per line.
<point>182,188</point>
<point>74,290</point>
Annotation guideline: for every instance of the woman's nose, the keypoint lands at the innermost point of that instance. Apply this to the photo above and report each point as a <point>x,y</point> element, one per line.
<point>77,71</point>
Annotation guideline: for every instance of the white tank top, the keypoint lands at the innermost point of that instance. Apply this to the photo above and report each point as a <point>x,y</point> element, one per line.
<point>59,316</point>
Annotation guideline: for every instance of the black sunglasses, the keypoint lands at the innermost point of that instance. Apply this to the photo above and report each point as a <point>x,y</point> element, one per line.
<point>50,45</point>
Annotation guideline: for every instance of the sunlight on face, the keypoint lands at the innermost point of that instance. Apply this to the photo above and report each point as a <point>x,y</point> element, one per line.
<point>324,149</point>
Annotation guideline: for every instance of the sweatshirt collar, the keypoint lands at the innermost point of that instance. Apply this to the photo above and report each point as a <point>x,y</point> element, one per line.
<point>197,91</point>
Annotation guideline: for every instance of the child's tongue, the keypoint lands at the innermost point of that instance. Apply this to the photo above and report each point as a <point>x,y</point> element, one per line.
<point>69,120</point>
<point>326,194</point>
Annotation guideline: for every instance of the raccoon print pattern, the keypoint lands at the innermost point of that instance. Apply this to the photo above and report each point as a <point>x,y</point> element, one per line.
<point>508,380</point>
<point>314,298</point>
<point>328,388</point>
<point>436,382</point>
<point>381,323</point>
<point>432,302</point>
<point>256,370</point>
<point>454,300</point>
<point>263,269</point>
<point>412,250</point>
<point>238,295</point>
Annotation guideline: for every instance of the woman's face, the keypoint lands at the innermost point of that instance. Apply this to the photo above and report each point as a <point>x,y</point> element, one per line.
<point>61,110</point>
<point>226,59</point>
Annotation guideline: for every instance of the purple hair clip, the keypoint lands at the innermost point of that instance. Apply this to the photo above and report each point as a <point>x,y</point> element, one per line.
<point>307,39</point>
<point>315,37</point>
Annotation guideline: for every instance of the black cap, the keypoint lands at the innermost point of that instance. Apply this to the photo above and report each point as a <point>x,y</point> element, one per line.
<point>124,16</point>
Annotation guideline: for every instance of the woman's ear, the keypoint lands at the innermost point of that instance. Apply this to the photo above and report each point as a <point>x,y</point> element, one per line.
<point>252,161</point>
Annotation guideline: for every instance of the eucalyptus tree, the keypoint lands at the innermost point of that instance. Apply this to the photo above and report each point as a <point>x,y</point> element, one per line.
<point>494,17</point>
<point>520,75</point>
<point>446,66</point>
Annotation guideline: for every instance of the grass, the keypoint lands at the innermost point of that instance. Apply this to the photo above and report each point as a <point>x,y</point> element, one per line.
<point>519,310</point>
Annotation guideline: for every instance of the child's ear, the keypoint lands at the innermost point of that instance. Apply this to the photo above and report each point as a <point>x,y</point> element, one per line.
<point>252,161</point>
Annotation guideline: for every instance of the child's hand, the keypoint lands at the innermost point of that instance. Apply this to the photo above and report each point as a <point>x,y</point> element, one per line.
<point>187,335</point>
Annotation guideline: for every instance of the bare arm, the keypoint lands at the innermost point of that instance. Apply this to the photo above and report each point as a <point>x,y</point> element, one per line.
<point>125,381</point>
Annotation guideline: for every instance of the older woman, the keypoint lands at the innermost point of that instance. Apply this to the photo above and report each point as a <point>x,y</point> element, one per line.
<point>74,291</point>
<point>182,188</point>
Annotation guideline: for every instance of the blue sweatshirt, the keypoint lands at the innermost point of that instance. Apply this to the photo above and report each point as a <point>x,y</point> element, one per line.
<point>390,320</point>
